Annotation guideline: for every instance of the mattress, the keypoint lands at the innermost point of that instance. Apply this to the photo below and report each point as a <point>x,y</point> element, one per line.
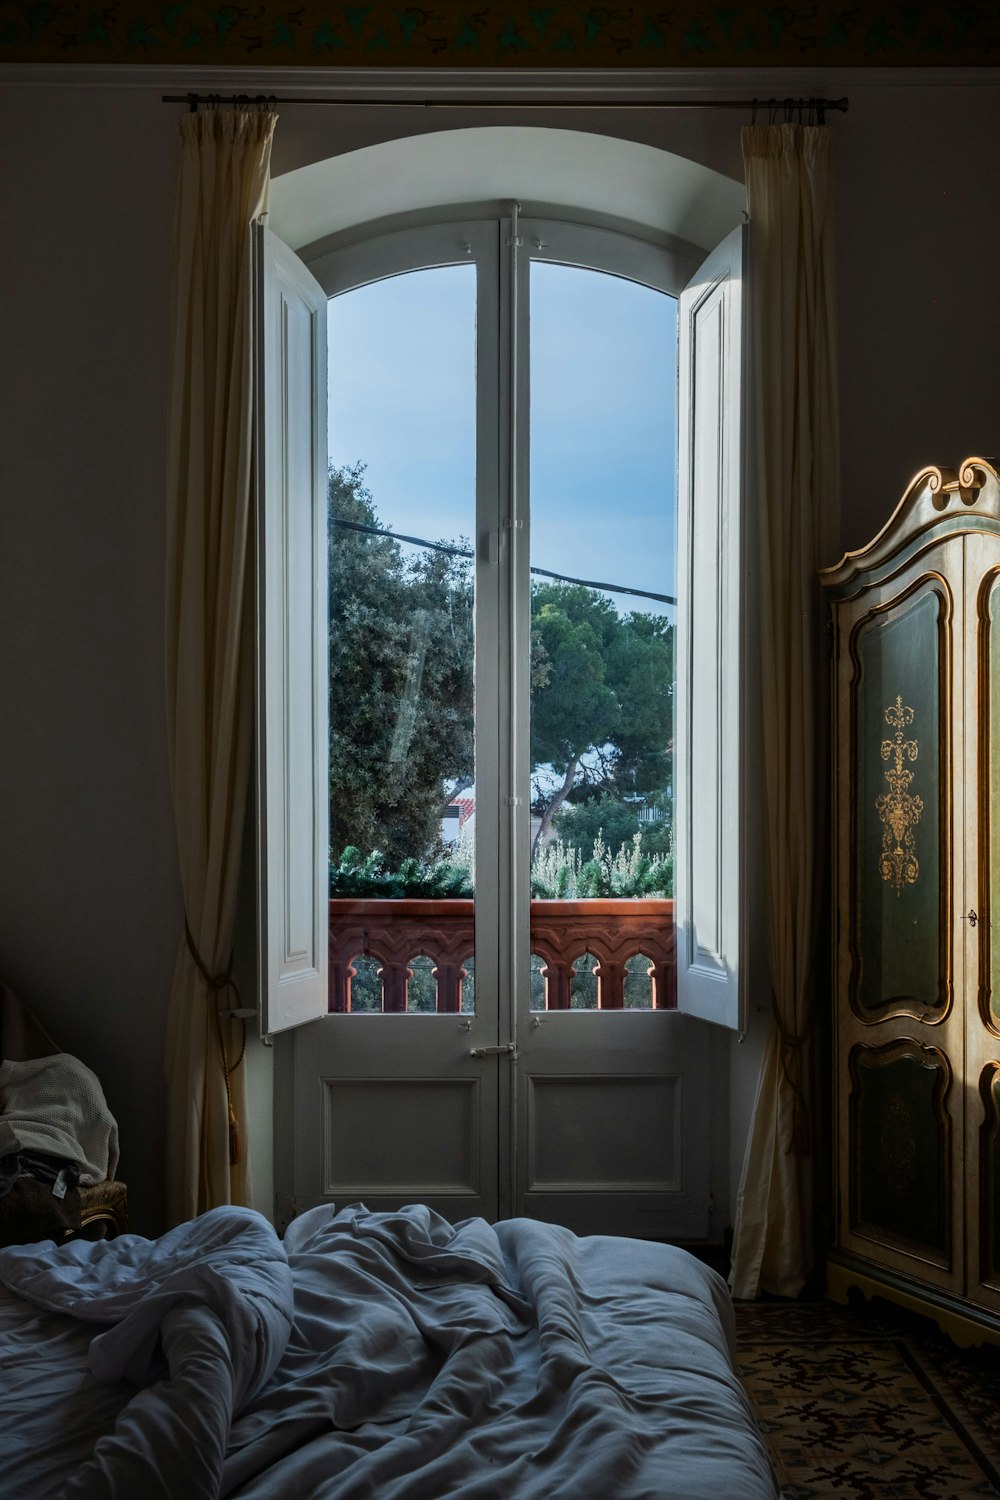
<point>394,1356</point>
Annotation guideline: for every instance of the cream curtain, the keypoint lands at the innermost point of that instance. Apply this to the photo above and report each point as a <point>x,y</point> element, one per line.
<point>225,157</point>
<point>794,494</point>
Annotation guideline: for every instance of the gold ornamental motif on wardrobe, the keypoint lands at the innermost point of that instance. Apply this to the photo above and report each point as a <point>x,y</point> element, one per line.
<point>898,808</point>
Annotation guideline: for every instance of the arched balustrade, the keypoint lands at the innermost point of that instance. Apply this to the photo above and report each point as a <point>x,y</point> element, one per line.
<point>394,933</point>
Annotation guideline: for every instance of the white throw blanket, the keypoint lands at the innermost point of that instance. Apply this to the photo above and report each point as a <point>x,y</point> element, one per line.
<point>56,1105</point>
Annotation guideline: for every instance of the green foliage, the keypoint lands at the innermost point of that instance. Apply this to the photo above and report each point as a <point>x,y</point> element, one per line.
<point>577,707</point>
<point>617,823</point>
<point>602,698</point>
<point>401,709</point>
<point>366,986</point>
<point>561,873</point>
<point>371,877</point>
<point>401,702</point>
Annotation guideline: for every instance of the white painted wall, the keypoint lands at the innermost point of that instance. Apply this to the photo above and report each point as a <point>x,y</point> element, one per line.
<point>89,906</point>
<point>562,170</point>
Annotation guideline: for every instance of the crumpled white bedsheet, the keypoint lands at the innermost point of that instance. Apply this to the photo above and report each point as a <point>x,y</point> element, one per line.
<point>189,1327</point>
<point>425,1360</point>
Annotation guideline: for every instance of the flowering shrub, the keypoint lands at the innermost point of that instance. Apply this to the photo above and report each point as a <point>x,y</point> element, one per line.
<point>562,874</point>
<point>558,873</point>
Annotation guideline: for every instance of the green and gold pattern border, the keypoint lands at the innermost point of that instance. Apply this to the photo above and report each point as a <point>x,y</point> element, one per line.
<point>465,33</point>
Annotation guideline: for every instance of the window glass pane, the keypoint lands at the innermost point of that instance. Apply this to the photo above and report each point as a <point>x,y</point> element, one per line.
<point>402,512</point>
<point>602,481</point>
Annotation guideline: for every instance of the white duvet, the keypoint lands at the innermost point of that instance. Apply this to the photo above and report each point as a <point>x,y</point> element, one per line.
<point>370,1355</point>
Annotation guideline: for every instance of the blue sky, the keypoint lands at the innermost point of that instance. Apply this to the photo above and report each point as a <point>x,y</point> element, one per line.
<point>603,440</point>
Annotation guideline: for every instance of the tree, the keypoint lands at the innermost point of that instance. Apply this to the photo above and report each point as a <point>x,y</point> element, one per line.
<point>401,705</point>
<point>616,823</point>
<point>401,689</point>
<point>602,706</point>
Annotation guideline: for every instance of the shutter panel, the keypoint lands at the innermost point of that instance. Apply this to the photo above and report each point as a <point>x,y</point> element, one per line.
<point>709,733</point>
<point>292,743</point>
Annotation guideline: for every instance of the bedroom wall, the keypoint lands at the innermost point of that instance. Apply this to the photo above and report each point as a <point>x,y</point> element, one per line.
<point>89,907</point>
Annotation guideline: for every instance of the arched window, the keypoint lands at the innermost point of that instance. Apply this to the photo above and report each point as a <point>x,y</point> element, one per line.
<point>571,576</point>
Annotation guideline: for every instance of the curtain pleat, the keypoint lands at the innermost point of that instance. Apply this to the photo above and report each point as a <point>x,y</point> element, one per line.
<point>794,495</point>
<point>225,162</point>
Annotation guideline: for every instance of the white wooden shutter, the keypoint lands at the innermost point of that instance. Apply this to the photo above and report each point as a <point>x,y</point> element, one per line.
<point>708,743</point>
<point>292,744</point>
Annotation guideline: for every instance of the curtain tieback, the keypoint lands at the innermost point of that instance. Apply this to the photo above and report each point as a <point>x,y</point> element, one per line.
<point>217,983</point>
<point>792,1045</point>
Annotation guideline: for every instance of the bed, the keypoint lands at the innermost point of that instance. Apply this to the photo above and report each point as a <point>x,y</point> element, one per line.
<point>369,1354</point>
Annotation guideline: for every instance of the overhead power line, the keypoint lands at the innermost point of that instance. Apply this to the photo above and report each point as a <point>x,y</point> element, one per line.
<point>452,551</point>
<point>397,536</point>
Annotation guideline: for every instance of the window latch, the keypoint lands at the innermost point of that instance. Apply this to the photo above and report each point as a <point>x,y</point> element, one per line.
<point>508,1049</point>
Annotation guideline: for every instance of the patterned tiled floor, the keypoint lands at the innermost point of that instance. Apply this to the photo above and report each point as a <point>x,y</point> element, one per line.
<point>855,1405</point>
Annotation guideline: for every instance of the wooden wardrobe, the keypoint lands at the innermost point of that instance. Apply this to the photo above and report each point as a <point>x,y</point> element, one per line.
<point>916,809</point>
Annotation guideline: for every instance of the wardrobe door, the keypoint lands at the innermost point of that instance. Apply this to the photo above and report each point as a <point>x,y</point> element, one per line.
<point>900,1029</point>
<point>982,937</point>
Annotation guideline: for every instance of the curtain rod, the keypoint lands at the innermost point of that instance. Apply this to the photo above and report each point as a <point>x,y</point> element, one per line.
<point>262,101</point>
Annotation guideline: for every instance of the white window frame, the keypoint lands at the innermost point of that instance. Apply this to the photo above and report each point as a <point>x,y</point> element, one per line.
<point>292,736</point>
<point>710,762</point>
<point>709,972</point>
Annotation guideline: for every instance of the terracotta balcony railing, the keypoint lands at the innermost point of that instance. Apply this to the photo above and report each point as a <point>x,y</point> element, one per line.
<point>394,933</point>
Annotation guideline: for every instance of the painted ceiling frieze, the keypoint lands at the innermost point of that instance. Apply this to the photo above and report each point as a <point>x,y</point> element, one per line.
<point>453,33</point>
